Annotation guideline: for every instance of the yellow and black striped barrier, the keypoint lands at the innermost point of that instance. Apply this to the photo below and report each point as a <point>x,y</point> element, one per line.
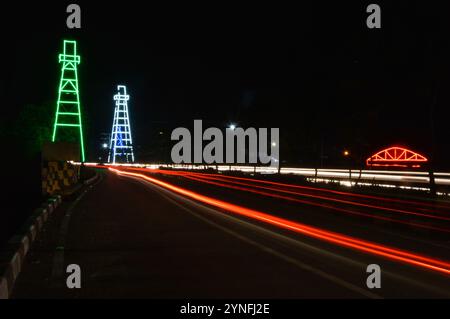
<point>58,176</point>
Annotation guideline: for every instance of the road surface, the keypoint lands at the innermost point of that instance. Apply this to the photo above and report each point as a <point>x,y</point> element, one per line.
<point>136,239</point>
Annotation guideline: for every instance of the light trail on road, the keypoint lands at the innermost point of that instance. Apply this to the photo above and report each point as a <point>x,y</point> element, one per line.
<point>323,190</point>
<point>353,203</point>
<point>208,178</point>
<point>352,212</point>
<point>398,255</point>
<point>428,206</point>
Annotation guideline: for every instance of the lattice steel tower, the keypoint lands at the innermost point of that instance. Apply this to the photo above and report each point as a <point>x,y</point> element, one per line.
<point>121,145</point>
<point>68,115</point>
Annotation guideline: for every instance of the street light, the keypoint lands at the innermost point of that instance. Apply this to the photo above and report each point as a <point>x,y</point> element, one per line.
<point>346,153</point>
<point>232,126</point>
<point>104,145</point>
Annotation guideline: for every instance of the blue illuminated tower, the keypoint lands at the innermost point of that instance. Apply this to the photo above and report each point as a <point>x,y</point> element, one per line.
<point>121,145</point>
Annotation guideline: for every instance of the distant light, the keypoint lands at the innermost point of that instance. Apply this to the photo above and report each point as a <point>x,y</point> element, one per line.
<point>346,153</point>
<point>161,133</point>
<point>232,126</point>
<point>104,145</point>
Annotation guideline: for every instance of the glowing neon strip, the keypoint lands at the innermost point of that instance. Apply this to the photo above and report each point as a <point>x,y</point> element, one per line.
<point>314,232</point>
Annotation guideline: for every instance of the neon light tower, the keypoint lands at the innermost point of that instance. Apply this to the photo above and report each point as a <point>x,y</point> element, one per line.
<point>121,145</point>
<point>68,115</point>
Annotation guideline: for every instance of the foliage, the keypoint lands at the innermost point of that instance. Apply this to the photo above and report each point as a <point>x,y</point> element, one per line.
<point>33,127</point>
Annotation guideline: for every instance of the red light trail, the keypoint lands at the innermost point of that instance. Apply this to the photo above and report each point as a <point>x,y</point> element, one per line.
<point>329,191</point>
<point>234,180</point>
<point>284,185</point>
<point>314,232</point>
<point>336,200</point>
<point>319,205</point>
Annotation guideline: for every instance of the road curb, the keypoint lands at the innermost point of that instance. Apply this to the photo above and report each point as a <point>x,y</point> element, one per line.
<point>92,179</point>
<point>15,251</point>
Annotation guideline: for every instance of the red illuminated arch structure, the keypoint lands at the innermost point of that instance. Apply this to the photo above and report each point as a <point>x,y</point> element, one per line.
<point>396,156</point>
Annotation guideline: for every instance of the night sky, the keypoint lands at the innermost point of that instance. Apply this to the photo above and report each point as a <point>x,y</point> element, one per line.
<point>313,70</point>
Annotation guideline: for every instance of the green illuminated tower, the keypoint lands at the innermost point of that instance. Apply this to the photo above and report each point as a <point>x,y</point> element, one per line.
<point>68,115</point>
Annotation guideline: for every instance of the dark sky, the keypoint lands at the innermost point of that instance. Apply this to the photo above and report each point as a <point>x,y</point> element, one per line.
<point>313,69</point>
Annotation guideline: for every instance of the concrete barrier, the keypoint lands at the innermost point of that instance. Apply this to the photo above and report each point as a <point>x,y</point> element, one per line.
<point>15,251</point>
<point>58,177</point>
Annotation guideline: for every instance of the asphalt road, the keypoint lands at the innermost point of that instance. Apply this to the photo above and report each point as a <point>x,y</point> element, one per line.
<point>134,239</point>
